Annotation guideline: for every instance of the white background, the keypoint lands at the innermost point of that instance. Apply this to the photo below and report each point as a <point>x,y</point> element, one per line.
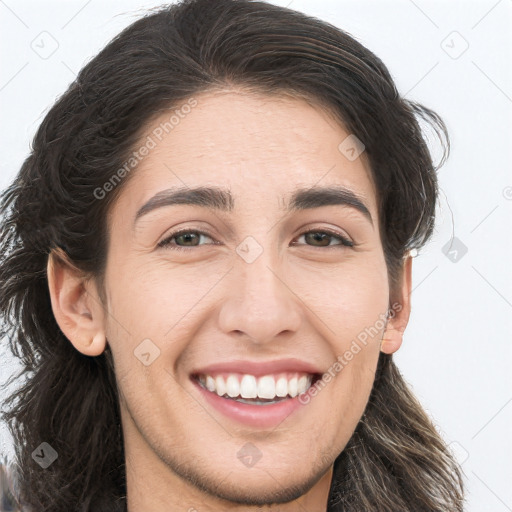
<point>457,351</point>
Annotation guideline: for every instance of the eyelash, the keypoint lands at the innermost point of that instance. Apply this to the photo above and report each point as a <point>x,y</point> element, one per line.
<point>166,243</point>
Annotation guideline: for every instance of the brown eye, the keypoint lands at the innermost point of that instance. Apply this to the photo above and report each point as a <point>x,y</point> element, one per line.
<point>187,239</point>
<point>183,239</point>
<point>323,239</point>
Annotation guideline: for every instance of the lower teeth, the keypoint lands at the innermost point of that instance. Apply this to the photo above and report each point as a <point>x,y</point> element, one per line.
<point>254,401</point>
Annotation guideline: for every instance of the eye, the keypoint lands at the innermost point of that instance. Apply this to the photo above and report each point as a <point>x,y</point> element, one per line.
<point>323,238</point>
<point>188,239</point>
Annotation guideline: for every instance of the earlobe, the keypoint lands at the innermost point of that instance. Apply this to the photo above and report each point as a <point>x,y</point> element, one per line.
<point>75,304</point>
<point>392,340</point>
<point>96,346</point>
<point>399,313</point>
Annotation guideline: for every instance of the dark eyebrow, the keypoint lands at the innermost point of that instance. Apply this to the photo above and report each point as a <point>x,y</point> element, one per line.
<point>221,199</point>
<point>208,197</point>
<point>316,197</point>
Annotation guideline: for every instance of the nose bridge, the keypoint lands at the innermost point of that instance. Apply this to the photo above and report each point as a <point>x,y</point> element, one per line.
<point>261,303</point>
<point>260,283</point>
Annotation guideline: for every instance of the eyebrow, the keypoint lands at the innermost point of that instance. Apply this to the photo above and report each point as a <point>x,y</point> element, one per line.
<point>220,199</point>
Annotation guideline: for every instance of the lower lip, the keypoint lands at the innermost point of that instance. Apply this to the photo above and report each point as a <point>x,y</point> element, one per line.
<point>263,416</point>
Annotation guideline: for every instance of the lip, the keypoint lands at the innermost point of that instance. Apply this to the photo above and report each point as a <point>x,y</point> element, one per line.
<point>256,416</point>
<point>258,369</point>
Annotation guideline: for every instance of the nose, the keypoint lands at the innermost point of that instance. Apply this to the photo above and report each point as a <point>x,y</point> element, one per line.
<point>261,303</point>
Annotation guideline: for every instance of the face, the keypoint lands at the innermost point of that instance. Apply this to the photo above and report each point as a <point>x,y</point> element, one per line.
<point>253,295</point>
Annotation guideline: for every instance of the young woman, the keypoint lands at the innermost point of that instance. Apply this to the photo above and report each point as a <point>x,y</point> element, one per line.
<point>205,270</point>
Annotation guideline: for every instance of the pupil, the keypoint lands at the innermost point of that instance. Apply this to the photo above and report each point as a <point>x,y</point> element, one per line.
<point>187,237</point>
<point>319,237</point>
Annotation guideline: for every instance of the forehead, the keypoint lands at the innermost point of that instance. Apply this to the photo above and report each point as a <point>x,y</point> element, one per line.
<point>260,147</point>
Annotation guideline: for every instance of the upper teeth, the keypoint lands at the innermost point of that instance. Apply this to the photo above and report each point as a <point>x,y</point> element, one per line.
<point>249,386</point>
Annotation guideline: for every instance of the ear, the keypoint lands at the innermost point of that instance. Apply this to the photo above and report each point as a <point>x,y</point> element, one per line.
<point>76,304</point>
<point>399,312</point>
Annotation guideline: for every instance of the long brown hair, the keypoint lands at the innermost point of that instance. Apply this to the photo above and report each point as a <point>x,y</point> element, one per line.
<point>395,460</point>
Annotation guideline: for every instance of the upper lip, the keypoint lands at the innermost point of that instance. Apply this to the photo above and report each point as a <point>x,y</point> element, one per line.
<point>259,368</point>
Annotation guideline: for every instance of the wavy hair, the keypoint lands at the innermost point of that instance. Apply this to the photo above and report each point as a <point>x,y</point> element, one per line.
<point>395,460</point>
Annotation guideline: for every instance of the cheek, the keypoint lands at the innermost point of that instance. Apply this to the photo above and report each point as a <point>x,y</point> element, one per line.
<point>148,301</point>
<point>154,312</point>
<point>348,298</point>
<point>351,306</point>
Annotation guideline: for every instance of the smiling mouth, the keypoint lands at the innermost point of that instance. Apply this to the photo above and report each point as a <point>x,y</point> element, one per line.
<point>264,390</point>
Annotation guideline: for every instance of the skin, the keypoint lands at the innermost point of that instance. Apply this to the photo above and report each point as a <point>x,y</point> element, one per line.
<point>207,305</point>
